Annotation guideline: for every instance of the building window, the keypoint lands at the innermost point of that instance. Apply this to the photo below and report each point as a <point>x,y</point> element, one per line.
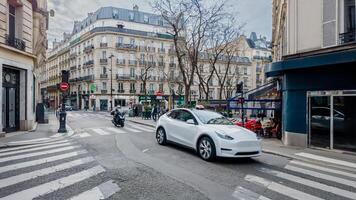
<point>151,87</point>
<point>132,42</point>
<point>142,57</point>
<point>103,54</point>
<point>145,19</point>
<point>103,39</point>
<point>131,16</point>
<point>104,70</point>
<point>121,86</point>
<point>141,87</point>
<point>161,87</point>
<point>245,71</point>
<point>12,21</point>
<point>104,85</point>
<point>120,40</point>
<point>132,86</point>
<point>132,72</point>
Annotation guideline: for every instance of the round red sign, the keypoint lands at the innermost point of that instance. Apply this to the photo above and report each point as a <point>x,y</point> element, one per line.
<point>63,86</point>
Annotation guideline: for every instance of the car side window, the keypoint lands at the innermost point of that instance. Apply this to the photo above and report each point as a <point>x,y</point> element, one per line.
<point>185,116</point>
<point>173,114</point>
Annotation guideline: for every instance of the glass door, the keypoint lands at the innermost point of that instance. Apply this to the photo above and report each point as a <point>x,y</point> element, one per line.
<point>319,112</point>
<point>344,123</point>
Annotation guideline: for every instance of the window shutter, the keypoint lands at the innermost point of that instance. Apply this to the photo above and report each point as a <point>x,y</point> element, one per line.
<point>329,23</point>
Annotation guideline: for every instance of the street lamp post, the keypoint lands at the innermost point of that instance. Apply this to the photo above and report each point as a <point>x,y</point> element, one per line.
<point>111,107</point>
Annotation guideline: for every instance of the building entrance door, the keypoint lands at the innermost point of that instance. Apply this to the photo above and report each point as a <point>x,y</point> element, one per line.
<point>332,121</point>
<point>10,100</point>
<point>319,110</point>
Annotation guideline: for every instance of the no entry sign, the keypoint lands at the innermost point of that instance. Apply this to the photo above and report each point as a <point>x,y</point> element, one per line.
<point>63,86</point>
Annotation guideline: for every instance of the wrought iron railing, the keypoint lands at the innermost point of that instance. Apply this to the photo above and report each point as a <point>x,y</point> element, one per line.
<point>347,37</point>
<point>15,42</point>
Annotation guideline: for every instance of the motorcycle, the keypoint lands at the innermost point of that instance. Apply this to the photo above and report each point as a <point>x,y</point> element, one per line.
<point>118,119</point>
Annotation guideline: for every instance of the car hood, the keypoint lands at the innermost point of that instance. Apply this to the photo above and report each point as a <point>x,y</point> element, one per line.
<point>234,131</point>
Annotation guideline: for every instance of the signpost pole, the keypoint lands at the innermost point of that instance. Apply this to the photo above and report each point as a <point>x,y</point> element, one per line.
<point>63,86</point>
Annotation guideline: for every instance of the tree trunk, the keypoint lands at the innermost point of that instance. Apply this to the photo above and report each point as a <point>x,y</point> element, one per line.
<point>186,95</point>
<point>221,92</point>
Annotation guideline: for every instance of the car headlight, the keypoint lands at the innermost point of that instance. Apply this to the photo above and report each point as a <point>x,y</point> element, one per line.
<point>222,135</point>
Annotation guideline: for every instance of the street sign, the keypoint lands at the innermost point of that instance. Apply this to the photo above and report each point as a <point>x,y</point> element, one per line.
<point>63,86</point>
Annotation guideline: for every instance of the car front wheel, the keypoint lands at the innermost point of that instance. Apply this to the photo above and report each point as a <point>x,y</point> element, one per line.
<point>206,149</point>
<point>161,136</point>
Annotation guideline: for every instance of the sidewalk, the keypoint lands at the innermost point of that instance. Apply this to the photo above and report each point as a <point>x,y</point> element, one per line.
<point>276,147</point>
<point>42,132</point>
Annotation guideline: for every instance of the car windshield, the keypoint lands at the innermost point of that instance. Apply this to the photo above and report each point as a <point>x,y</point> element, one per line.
<point>210,117</point>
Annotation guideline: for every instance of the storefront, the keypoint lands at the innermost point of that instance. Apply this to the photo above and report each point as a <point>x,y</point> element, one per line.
<point>318,99</point>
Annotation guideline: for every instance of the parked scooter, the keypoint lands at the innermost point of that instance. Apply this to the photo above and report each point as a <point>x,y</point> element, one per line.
<point>118,119</point>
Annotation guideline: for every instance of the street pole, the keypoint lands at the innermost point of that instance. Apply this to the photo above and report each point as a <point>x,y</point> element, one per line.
<point>111,107</point>
<point>63,114</point>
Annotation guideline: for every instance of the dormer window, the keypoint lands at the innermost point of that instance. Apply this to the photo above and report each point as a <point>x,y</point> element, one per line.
<point>145,19</point>
<point>131,16</point>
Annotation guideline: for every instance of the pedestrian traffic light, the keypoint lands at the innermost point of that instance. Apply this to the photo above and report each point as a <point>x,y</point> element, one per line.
<point>240,87</point>
<point>65,76</point>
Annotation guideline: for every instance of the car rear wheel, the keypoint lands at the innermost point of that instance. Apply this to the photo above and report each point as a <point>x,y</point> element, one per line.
<point>206,149</point>
<point>161,136</point>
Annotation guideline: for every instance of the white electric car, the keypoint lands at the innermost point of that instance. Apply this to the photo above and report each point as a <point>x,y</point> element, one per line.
<point>209,133</point>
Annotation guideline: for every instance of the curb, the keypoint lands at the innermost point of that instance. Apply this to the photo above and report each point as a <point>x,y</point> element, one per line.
<point>133,121</point>
<point>280,154</point>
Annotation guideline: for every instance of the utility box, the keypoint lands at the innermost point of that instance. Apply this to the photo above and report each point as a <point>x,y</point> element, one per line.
<point>41,114</point>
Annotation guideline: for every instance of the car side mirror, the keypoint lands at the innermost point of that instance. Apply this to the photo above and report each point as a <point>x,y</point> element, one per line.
<point>191,121</point>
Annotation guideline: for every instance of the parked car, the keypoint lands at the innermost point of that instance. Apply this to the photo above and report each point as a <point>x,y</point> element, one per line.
<point>68,108</point>
<point>209,133</point>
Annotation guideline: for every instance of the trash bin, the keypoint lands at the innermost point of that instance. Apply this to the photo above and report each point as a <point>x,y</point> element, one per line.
<point>41,114</point>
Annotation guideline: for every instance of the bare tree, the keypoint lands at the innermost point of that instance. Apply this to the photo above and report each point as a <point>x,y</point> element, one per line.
<point>189,22</point>
<point>146,61</point>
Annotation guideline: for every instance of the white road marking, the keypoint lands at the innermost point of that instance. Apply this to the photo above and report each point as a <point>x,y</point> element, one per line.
<point>322,176</point>
<point>326,159</point>
<point>310,183</point>
<point>116,130</point>
<point>245,194</point>
<point>30,146</point>
<point>40,161</point>
<point>42,172</point>
<point>35,149</point>
<point>37,154</point>
<point>102,191</point>
<point>144,128</point>
<point>276,187</point>
<point>100,131</point>
<point>52,186</point>
<point>145,150</point>
<point>325,169</point>
<point>84,135</point>
<point>28,141</point>
<point>132,130</point>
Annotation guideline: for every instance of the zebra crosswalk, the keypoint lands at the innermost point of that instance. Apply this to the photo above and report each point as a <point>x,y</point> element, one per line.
<point>302,180</point>
<point>46,171</point>
<point>106,131</point>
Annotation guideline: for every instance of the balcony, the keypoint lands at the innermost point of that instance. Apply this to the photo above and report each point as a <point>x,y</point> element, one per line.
<point>132,91</point>
<point>89,63</point>
<point>103,45</point>
<point>127,77</point>
<point>172,65</point>
<point>15,42</point>
<point>151,49</point>
<point>264,58</point>
<point>120,61</point>
<point>142,48</point>
<point>88,78</point>
<point>121,91</point>
<point>348,37</point>
<point>129,47</point>
<point>73,68</point>
<point>162,50</point>
<point>132,62</point>
<point>88,49</point>
<point>142,63</point>
<point>79,67</point>
<point>104,91</point>
<point>151,64</point>
<point>104,76</point>
<point>103,61</point>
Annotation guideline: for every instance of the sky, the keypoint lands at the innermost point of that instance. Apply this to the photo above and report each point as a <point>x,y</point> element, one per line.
<point>254,14</point>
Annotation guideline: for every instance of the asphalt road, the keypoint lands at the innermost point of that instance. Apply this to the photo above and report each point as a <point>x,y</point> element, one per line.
<point>127,163</point>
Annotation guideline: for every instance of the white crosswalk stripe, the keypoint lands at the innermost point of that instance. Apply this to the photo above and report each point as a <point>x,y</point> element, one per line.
<point>69,169</point>
<point>298,178</point>
<point>116,130</point>
<point>100,131</point>
<point>144,128</point>
<point>84,135</point>
<point>131,129</point>
<point>103,191</point>
<point>326,159</point>
<point>282,189</point>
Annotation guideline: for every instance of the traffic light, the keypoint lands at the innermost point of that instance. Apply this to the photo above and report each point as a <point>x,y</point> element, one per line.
<point>65,76</point>
<point>240,87</point>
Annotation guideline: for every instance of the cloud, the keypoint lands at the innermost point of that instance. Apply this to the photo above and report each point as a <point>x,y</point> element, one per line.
<point>255,13</point>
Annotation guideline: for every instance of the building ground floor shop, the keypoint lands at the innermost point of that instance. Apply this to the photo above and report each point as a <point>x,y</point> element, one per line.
<point>18,92</point>
<point>319,100</point>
